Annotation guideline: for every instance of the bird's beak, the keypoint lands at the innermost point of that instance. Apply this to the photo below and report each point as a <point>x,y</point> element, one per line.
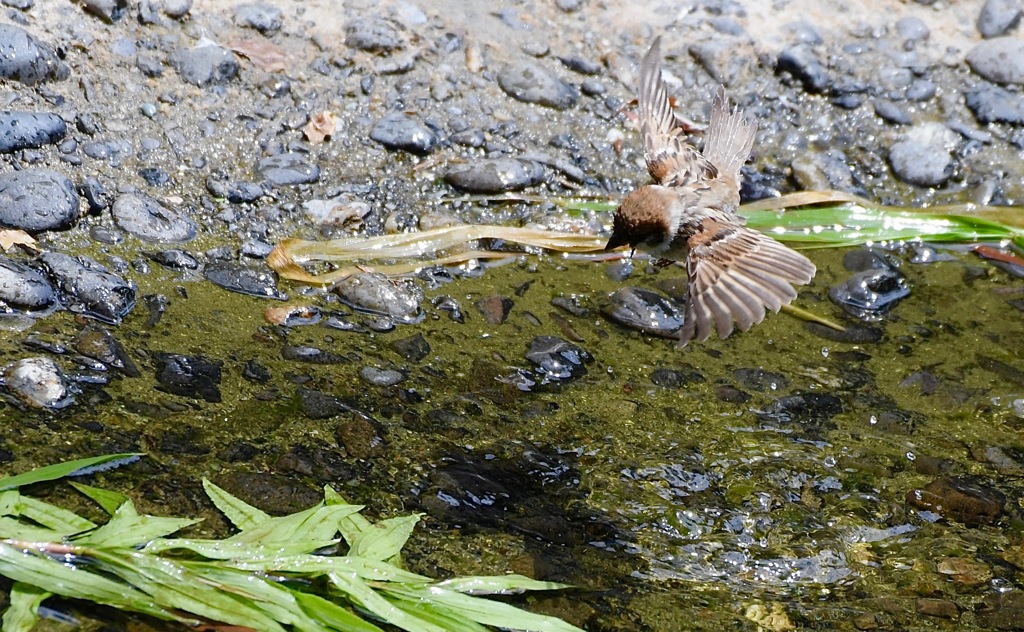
<point>617,240</point>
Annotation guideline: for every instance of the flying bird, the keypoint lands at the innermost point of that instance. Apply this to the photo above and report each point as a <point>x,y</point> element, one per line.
<point>688,213</point>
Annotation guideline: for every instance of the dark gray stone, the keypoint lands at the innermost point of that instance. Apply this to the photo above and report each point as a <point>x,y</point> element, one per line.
<point>644,310</point>
<point>24,58</point>
<point>373,34</point>
<point>23,290</point>
<point>992,104</point>
<point>205,65</point>
<point>1000,60</point>
<point>107,10</point>
<point>381,377</point>
<point>90,289</point>
<point>922,157</point>
<point>37,200</point>
<point>189,376</point>
<point>147,219</point>
<point>802,64</point>
<point>998,17</point>
<point>531,83</point>
<point>556,360</point>
<point>21,130</point>
<point>399,130</point>
<point>376,293</point>
<point>265,18</point>
<point>495,175</point>
<point>238,277</point>
<point>288,169</point>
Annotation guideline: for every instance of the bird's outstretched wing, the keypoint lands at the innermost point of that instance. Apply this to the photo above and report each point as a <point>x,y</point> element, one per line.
<point>727,144</point>
<point>735,274</point>
<point>671,161</point>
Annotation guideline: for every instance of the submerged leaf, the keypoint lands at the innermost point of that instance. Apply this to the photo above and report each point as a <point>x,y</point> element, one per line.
<point>59,470</point>
<point>109,501</point>
<point>497,584</point>
<point>241,514</point>
<point>333,615</point>
<point>386,538</point>
<point>23,613</point>
<point>128,529</point>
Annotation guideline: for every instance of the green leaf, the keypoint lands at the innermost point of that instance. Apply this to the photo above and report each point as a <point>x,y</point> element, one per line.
<point>497,585</point>
<point>17,530</point>
<point>333,615</point>
<point>128,529</point>
<point>386,538</point>
<point>59,470</point>
<point>23,612</point>
<point>373,602</point>
<point>352,525</point>
<point>370,570</point>
<point>109,501</point>
<point>54,517</point>
<point>10,503</point>
<point>484,611</point>
<point>311,529</point>
<point>241,514</point>
<point>451,621</point>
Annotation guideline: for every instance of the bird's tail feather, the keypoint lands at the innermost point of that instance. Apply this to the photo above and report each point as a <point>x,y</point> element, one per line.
<point>729,137</point>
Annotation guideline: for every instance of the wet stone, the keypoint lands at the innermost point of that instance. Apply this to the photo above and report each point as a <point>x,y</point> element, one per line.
<point>399,130</point>
<point>265,18</point>
<point>413,348</point>
<point>495,309</point>
<point>205,65</point>
<point>175,259</point>
<point>38,383</point>
<point>812,409</point>
<point>90,289</point>
<point>239,277</point>
<point>803,65</point>
<point>891,112</point>
<point>270,492</point>
<point>868,295</point>
<point>376,293</point>
<point>495,175</point>
<point>320,405</point>
<point>645,311</point>
<point>922,157</point>
<point>937,608</point>
<point>149,220</point>
<point>22,130</point>
<point>381,377</point>
<point>992,104</point>
<point>373,34</point>
<point>1000,60</point>
<point>856,334</point>
<point>362,437</point>
<point>99,344</point>
<point>676,378</point>
<point>24,290</point>
<point>192,376</point>
<point>760,380</point>
<point>960,499</point>
<point>998,17</point>
<point>731,394</point>
<point>531,83</point>
<point>292,315</point>
<point>95,195</point>
<point>24,58</point>
<point>288,169</point>
<point>556,360</point>
<point>37,200</point>
<point>312,355</point>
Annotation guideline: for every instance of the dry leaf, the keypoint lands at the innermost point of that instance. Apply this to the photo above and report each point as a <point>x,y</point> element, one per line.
<point>319,127</point>
<point>16,237</point>
<point>264,54</point>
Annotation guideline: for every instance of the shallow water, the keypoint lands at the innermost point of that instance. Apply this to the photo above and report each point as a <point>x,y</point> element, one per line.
<point>669,507</point>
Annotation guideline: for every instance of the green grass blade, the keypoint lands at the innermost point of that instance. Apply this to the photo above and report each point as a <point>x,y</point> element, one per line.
<point>483,611</point>
<point>498,585</point>
<point>332,615</point>
<point>241,514</point>
<point>128,529</point>
<point>370,570</point>
<point>56,518</point>
<point>385,539</point>
<point>453,622</point>
<point>17,530</point>
<point>23,612</point>
<point>107,500</point>
<point>356,589</point>
<point>59,470</point>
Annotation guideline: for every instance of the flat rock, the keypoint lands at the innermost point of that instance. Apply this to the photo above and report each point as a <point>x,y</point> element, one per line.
<point>923,156</point>
<point>531,83</point>
<point>149,220</point>
<point>22,130</point>
<point>399,130</point>
<point>998,17</point>
<point>37,200</point>
<point>24,58</point>
<point>288,169</point>
<point>992,104</point>
<point>192,376</point>
<point>1000,59</point>
<point>239,277</point>
<point>90,289</point>
<point>495,175</point>
<point>39,383</point>
<point>960,499</point>
<point>265,18</point>
<point>205,65</point>
<point>376,293</point>
<point>375,34</point>
<point>24,290</point>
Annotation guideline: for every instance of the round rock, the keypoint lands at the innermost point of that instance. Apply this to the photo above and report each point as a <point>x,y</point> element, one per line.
<point>39,383</point>
<point>374,292</point>
<point>1000,59</point>
<point>923,156</point>
<point>998,17</point>
<point>23,290</point>
<point>992,104</point>
<point>373,34</point>
<point>37,200</point>
<point>21,130</point>
<point>531,83</point>
<point>147,219</point>
<point>205,65</point>
<point>402,131</point>
<point>495,175</point>
<point>288,169</point>
<point>24,58</point>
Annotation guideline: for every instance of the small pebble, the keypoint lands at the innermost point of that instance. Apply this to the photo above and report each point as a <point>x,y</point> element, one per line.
<point>373,34</point>
<point>381,377</point>
<point>923,156</point>
<point>288,169</point>
<point>263,17</point>
<point>205,65</point>
<point>39,383</point>
<point>25,59</point>
<point>494,175</point>
<point>403,131</point>
<point>90,289</point>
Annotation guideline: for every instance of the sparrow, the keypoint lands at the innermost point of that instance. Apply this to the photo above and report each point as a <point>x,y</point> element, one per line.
<point>688,213</point>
